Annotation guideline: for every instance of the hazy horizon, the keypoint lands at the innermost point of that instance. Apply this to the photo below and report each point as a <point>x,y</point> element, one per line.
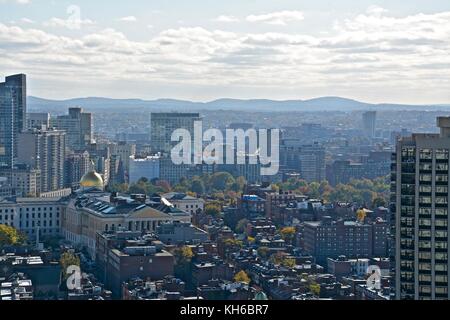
<point>373,51</point>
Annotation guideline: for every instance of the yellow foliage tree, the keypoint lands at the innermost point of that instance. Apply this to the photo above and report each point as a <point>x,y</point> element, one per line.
<point>241,276</point>
<point>10,236</point>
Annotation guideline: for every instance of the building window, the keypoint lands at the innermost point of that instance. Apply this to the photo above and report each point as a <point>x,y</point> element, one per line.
<point>426,154</point>
<point>442,154</point>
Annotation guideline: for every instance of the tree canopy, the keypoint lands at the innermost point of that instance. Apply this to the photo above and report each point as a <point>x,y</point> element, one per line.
<point>10,236</point>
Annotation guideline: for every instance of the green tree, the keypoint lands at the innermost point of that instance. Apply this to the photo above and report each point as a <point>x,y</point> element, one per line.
<point>198,186</point>
<point>242,276</point>
<point>221,181</point>
<point>10,236</point>
<point>120,187</point>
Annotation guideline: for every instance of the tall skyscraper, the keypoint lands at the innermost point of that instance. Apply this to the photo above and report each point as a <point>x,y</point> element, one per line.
<point>369,122</point>
<point>122,152</point>
<point>164,124</point>
<point>44,150</point>
<point>78,126</point>
<point>75,167</point>
<point>420,194</point>
<point>13,105</point>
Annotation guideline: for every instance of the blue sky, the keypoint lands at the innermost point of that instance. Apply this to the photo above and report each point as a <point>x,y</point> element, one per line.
<point>376,51</point>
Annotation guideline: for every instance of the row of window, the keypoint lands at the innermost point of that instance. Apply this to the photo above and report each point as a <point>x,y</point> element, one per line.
<point>28,209</point>
<point>33,216</point>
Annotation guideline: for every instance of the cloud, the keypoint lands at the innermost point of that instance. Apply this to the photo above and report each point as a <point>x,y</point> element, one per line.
<point>277,18</point>
<point>372,53</point>
<point>26,20</point>
<point>16,1</point>
<point>225,18</point>
<point>128,19</point>
<point>69,23</point>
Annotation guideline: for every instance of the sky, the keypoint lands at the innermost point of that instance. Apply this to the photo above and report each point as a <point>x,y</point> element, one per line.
<point>376,51</point>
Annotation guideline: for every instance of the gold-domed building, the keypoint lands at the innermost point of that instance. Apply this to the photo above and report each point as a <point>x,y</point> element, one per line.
<point>91,180</point>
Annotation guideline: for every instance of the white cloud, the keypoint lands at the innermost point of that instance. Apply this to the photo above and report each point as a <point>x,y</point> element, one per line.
<point>373,53</point>
<point>128,19</point>
<point>277,18</point>
<point>68,23</point>
<point>16,1</point>
<point>26,20</point>
<point>225,18</point>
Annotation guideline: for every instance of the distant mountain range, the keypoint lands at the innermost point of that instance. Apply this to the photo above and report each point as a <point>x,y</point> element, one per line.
<point>318,104</point>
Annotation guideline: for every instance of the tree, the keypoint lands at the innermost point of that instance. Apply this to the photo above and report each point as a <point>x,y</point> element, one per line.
<point>68,259</point>
<point>121,188</point>
<point>241,226</point>
<point>221,181</point>
<point>10,236</point>
<point>213,209</point>
<point>183,254</point>
<point>198,186</point>
<point>288,262</point>
<point>315,289</point>
<point>379,202</point>
<point>163,184</point>
<point>263,252</point>
<point>233,243</point>
<point>241,276</point>
<point>288,233</point>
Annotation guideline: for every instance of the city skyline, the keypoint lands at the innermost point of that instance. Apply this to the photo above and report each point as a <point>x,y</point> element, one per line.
<point>373,51</point>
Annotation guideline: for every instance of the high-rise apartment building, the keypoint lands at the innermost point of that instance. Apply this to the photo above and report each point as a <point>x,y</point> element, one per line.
<point>75,167</point>
<point>78,127</point>
<point>13,105</point>
<point>420,194</point>
<point>369,122</point>
<point>164,124</point>
<point>44,150</point>
<point>312,163</point>
<point>122,152</point>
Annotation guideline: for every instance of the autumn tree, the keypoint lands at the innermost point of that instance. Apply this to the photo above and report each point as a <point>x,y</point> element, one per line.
<point>288,233</point>
<point>213,209</point>
<point>242,276</point>
<point>10,236</point>
<point>68,259</point>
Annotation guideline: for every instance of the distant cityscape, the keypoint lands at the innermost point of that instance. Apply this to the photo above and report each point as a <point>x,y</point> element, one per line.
<point>92,206</point>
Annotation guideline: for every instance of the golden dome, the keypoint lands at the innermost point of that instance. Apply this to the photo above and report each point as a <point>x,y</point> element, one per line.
<point>91,180</point>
